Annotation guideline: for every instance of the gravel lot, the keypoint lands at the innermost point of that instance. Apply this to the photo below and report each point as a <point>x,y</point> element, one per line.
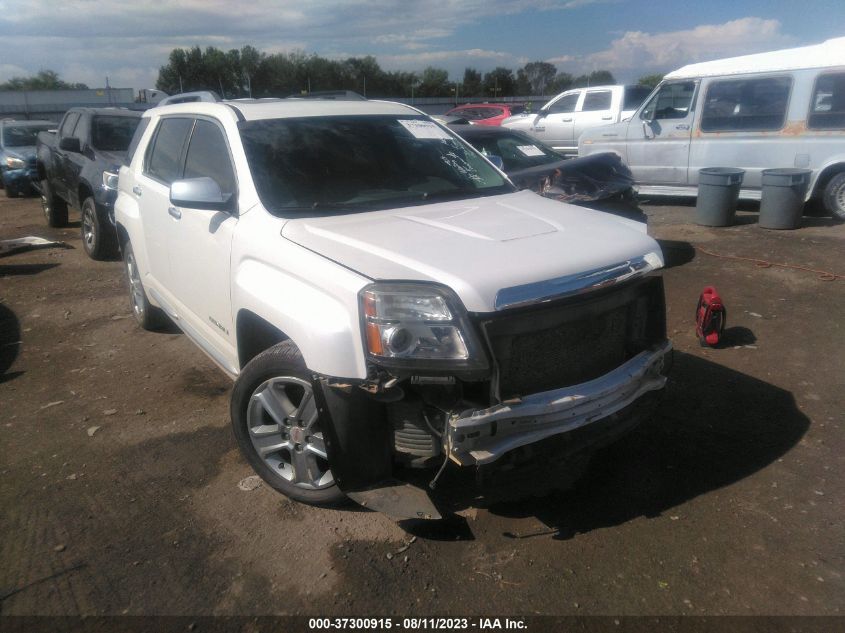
<point>119,474</point>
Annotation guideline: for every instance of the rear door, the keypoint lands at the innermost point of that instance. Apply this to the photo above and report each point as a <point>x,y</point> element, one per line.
<point>162,165</point>
<point>596,109</point>
<point>74,163</point>
<point>555,125</point>
<point>659,136</point>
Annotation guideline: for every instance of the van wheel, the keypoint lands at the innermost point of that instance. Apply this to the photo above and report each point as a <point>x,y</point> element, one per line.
<point>147,315</point>
<point>55,209</point>
<point>277,426</point>
<point>98,238</point>
<point>834,196</point>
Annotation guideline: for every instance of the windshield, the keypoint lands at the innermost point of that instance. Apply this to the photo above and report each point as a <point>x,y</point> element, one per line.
<point>23,135</point>
<point>113,133</point>
<point>517,151</point>
<point>359,163</point>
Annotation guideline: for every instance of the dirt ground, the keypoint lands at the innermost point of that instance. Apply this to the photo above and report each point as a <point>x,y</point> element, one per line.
<point>119,474</point>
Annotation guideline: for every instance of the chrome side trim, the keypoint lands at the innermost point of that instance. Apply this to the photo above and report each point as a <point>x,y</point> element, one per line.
<point>569,285</point>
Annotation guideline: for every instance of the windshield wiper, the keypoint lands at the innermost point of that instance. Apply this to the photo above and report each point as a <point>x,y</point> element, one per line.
<point>453,193</point>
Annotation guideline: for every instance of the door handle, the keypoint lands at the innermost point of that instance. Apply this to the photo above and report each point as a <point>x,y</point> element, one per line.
<point>682,126</point>
<point>174,212</point>
<point>606,118</point>
<point>136,190</point>
<point>567,120</point>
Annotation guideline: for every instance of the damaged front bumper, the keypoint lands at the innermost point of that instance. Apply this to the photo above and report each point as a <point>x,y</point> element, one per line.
<point>482,436</point>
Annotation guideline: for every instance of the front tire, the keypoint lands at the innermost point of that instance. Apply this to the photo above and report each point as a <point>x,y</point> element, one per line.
<point>277,426</point>
<point>98,239</point>
<point>834,196</point>
<point>55,209</point>
<point>147,315</point>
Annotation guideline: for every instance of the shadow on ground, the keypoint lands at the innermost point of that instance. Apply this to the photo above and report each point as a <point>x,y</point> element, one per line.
<point>714,427</point>
<point>10,342</point>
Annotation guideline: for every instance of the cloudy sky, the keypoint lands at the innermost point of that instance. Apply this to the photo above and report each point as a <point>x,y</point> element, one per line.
<point>87,40</point>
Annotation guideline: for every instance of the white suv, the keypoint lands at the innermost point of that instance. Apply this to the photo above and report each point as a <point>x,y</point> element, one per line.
<point>382,295</point>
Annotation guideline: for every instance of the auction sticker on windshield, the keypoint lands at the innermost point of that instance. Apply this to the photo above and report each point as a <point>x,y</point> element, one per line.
<point>530,150</point>
<point>424,129</point>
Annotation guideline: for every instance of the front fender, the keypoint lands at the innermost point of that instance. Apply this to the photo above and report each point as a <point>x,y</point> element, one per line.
<point>314,302</point>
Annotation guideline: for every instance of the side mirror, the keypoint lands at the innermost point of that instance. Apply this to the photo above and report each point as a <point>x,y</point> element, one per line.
<point>200,193</point>
<point>70,144</point>
<point>496,160</point>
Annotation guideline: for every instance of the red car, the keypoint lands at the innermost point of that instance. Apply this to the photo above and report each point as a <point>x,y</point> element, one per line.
<point>486,113</point>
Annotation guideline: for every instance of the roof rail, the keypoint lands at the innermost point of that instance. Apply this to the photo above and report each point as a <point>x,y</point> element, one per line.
<point>336,95</point>
<point>207,96</point>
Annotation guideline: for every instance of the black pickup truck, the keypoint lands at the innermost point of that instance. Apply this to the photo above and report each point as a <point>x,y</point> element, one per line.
<point>77,166</point>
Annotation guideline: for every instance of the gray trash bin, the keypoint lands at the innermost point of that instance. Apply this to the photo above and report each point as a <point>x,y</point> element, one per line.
<point>783,197</point>
<point>718,192</point>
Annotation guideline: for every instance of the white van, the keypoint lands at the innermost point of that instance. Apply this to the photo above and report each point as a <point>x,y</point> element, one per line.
<point>779,109</point>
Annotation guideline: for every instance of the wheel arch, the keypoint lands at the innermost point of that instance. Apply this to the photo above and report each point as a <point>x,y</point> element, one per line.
<point>825,176</point>
<point>254,334</point>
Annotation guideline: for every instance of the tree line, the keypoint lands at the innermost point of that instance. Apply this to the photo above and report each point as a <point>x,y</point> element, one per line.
<point>249,72</point>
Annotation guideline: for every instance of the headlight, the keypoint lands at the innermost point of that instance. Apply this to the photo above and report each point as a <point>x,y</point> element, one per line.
<point>417,325</point>
<point>15,163</point>
<point>109,180</point>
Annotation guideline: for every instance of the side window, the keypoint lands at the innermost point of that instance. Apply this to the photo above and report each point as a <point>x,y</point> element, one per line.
<point>746,104</point>
<point>82,129</point>
<point>565,104</point>
<point>672,101</point>
<point>68,124</point>
<point>827,107</point>
<point>489,113</point>
<point>208,155</point>
<point>596,100</point>
<point>164,159</point>
<point>136,138</point>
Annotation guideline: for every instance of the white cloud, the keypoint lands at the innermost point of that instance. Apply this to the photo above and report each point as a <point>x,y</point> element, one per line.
<point>637,50</point>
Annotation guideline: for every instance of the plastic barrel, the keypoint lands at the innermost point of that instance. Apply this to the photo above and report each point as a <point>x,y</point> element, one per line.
<point>718,192</point>
<point>783,197</point>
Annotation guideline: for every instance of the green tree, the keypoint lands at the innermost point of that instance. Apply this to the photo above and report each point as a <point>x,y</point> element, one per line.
<point>44,79</point>
<point>535,77</point>
<point>650,80</point>
<point>561,83</point>
<point>499,82</point>
<point>472,86</point>
<point>434,82</point>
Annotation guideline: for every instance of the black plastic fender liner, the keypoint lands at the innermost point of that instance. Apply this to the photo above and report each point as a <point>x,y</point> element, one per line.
<point>357,434</point>
<point>359,445</point>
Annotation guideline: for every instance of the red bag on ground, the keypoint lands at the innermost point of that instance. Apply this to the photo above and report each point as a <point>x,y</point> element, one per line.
<point>710,317</point>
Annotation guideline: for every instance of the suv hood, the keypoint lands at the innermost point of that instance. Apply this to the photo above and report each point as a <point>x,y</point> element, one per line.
<point>477,246</point>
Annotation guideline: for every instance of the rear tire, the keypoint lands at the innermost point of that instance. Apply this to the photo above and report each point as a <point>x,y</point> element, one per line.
<point>834,196</point>
<point>98,237</point>
<point>55,209</point>
<point>277,426</point>
<point>147,315</point>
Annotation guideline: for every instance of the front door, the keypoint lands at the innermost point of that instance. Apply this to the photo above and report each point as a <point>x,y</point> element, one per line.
<point>659,137</point>
<point>200,246</point>
<point>555,125</point>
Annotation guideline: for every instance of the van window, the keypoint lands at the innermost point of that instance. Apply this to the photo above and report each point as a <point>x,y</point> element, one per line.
<point>827,109</point>
<point>596,100</point>
<point>565,104</point>
<point>164,162</point>
<point>746,104</point>
<point>672,101</point>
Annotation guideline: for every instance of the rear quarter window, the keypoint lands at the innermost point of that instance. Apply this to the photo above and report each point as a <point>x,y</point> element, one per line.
<point>164,161</point>
<point>827,107</point>
<point>136,139</point>
<point>746,104</point>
